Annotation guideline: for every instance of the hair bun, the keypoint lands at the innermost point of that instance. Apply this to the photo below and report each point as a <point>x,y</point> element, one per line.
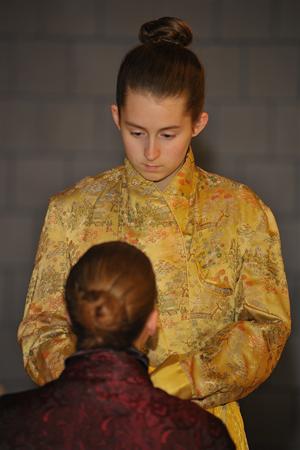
<point>100,308</point>
<point>166,29</point>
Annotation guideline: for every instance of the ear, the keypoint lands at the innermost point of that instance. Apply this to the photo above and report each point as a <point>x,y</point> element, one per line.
<point>148,330</point>
<point>151,324</point>
<point>115,115</point>
<point>200,124</point>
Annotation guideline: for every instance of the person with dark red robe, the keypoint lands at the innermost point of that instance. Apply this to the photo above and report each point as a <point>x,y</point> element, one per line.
<point>104,398</point>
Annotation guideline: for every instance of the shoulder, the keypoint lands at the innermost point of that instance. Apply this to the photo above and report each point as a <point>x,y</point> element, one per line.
<point>74,204</point>
<point>233,197</point>
<point>185,412</point>
<point>91,186</point>
<point>190,422</point>
<point>219,186</point>
<point>79,199</point>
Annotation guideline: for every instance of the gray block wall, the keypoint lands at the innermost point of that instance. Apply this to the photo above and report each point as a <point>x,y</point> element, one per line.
<point>58,64</point>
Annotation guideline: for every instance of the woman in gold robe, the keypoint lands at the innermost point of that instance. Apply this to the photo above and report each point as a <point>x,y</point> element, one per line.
<point>223,301</point>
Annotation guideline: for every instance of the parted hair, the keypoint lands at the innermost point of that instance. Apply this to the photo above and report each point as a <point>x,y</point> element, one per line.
<point>163,65</point>
<point>110,292</point>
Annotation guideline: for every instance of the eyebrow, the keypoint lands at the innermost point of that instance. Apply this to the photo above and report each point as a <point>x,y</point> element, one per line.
<point>131,124</point>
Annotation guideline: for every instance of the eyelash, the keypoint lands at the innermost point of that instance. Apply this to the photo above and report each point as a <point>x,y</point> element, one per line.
<point>138,134</point>
<point>168,136</point>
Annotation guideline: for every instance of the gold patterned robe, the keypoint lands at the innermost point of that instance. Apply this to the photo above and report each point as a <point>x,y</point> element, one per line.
<point>223,299</point>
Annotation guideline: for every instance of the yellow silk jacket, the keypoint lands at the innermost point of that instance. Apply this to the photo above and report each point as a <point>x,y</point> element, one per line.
<point>223,300</point>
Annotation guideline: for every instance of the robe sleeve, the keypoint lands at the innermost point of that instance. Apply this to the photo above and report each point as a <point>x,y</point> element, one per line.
<point>45,333</point>
<point>239,357</point>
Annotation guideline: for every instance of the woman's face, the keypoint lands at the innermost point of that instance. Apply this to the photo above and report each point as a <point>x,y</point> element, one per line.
<point>156,133</point>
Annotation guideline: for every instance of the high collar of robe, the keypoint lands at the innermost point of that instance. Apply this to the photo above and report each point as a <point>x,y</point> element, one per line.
<point>106,363</point>
<point>182,184</point>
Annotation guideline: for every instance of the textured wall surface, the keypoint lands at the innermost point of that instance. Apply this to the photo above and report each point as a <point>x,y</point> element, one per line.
<point>58,63</point>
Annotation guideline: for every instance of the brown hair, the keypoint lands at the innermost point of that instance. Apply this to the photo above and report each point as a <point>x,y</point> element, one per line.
<point>109,294</point>
<point>163,66</point>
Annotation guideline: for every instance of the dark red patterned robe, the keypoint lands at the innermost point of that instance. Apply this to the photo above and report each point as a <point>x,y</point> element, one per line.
<point>105,400</point>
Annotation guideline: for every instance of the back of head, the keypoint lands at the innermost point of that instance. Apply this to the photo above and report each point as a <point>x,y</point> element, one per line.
<point>163,66</point>
<point>110,293</point>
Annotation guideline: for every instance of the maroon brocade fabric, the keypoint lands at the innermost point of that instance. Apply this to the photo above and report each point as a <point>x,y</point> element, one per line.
<point>105,400</point>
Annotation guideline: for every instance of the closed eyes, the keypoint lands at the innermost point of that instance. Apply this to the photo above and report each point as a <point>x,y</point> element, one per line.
<point>138,134</point>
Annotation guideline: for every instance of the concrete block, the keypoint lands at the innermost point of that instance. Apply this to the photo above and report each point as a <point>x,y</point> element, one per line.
<point>3,182</point>
<point>273,71</point>
<point>37,180</point>
<point>290,241</point>
<point>69,17</point>
<point>41,67</point>
<point>20,382</point>
<point>7,52</point>
<point>278,406</point>
<point>203,153</point>
<point>244,19</point>
<point>222,68</point>
<point>16,286</point>
<point>209,149</point>
<point>17,16</point>
<point>97,67</point>
<point>108,140</point>
<point>12,363</point>
<point>198,15</point>
<point>268,409</point>
<point>210,136</point>
<point>17,239</point>
<point>220,163</point>
<point>125,18</point>
<point>82,168</point>
<point>289,19</point>
<point>243,130</point>
<point>97,162</point>
<point>288,370</point>
<point>294,441</point>
<point>18,123</point>
<point>297,170</point>
<point>274,182</point>
<point>2,297</point>
<point>67,126</point>
<point>287,131</point>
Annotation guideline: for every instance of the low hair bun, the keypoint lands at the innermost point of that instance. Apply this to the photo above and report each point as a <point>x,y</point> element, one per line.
<point>166,29</point>
<point>100,309</point>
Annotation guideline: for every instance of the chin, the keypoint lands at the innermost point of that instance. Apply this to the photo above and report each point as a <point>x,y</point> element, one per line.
<point>152,177</point>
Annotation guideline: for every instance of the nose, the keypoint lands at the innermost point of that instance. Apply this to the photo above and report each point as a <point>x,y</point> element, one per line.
<point>151,150</point>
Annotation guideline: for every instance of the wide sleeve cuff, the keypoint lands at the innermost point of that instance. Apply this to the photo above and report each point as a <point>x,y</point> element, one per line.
<point>170,377</point>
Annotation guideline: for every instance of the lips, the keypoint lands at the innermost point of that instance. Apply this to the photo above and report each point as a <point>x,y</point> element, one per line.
<point>151,168</point>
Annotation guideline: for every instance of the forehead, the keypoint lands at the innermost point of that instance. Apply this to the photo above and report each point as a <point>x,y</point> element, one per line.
<point>144,105</point>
